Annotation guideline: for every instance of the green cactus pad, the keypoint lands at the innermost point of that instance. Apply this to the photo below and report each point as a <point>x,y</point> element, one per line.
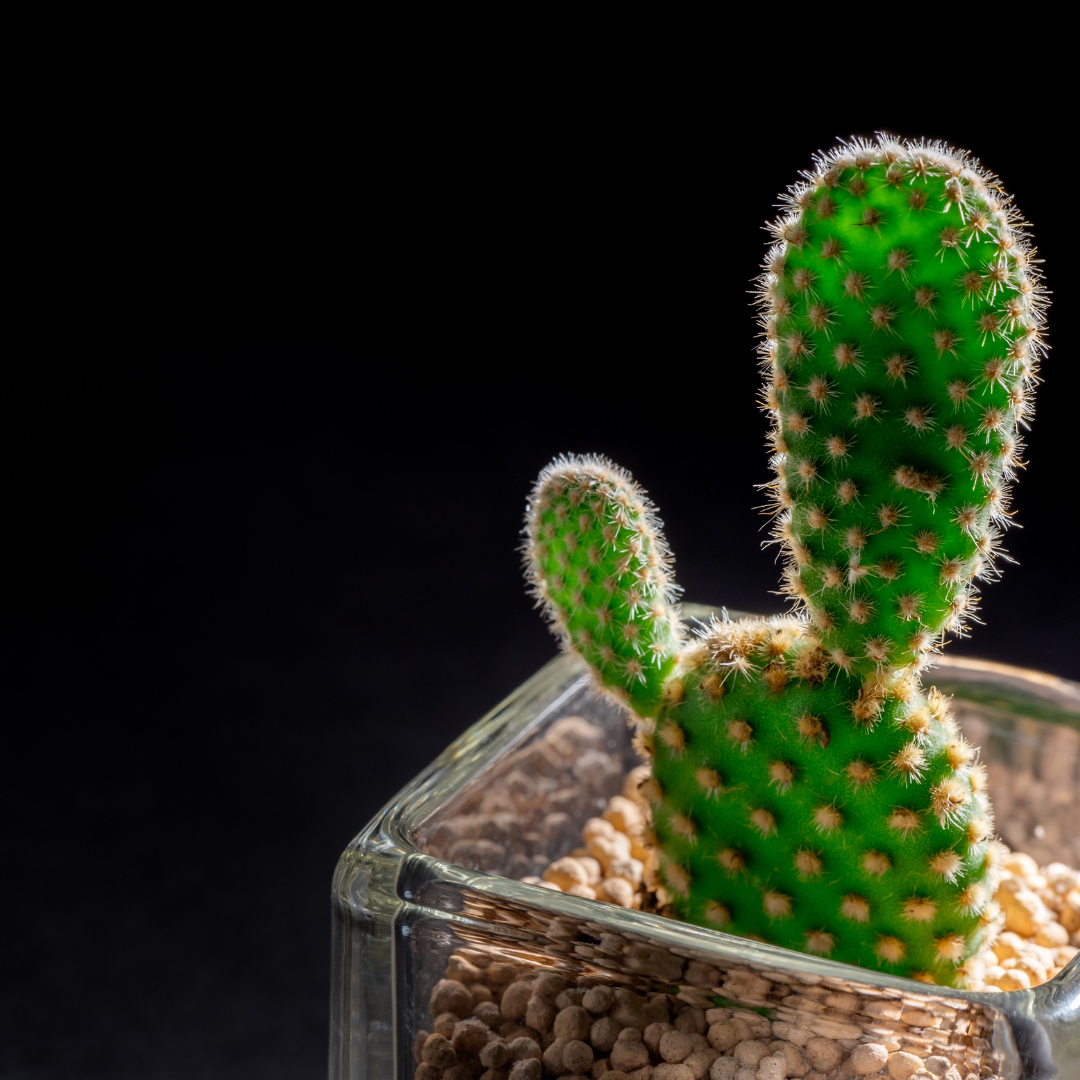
<point>901,333</point>
<point>806,789</point>
<point>780,816</point>
<point>599,565</point>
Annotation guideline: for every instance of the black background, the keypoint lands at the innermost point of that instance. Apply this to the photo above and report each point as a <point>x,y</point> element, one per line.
<point>288,385</point>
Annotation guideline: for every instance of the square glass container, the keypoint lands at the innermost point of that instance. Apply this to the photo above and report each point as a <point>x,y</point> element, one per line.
<point>430,889</point>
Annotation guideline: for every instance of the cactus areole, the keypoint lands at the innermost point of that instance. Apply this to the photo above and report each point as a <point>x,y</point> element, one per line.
<point>807,789</point>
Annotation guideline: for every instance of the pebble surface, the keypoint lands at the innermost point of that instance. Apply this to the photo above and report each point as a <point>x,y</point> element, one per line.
<point>612,1033</point>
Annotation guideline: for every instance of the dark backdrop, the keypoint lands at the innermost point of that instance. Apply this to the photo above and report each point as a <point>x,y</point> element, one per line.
<point>274,432</point>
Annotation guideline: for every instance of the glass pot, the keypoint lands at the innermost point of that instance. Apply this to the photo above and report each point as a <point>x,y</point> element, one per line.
<point>430,888</point>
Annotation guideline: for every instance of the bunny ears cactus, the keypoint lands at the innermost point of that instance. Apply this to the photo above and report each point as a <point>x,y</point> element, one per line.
<point>806,789</point>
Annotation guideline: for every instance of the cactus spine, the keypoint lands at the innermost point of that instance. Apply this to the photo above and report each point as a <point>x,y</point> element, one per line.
<point>807,789</point>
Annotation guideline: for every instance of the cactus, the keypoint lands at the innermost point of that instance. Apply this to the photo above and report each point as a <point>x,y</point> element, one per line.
<point>807,790</point>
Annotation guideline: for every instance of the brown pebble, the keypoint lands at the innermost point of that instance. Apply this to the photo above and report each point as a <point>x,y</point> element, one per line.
<point>553,1057</point>
<point>727,1034</point>
<point>629,1052</point>
<point>652,1035</point>
<point>869,1058</point>
<point>691,1020</point>
<point>572,1022</point>
<point>549,984</point>
<point>495,1054</point>
<point>515,1000</point>
<point>632,870</point>
<point>527,1069</point>
<point>624,815</point>
<point>540,1013</point>
<point>902,1064</point>
<point>479,992</point>
<point>598,1000</point>
<point>556,824</point>
<point>586,891</point>
<point>773,1067</point>
<point>617,890</point>
<point>699,974</point>
<point>445,1023</point>
<point>604,843</point>
<point>699,1059</point>
<point>477,854</point>
<point>667,1003</point>
<point>523,1048</point>
<point>540,760</point>
<point>577,1056</point>
<point>462,970</point>
<point>675,1045</point>
<point>633,1011</point>
<point>796,1063</point>
<point>427,1072</point>
<point>499,974</point>
<point>604,1033</point>
<point>672,1071</point>
<point>488,1011</point>
<point>1052,935</point>
<point>471,1036</point>
<point>1015,979</point>
<point>599,772</point>
<point>593,869</point>
<point>458,1072</point>
<point>571,736</point>
<point>418,1046</point>
<point>759,1027</point>
<point>822,1054</point>
<point>514,1029</point>
<point>1024,911</point>
<point>750,1052</point>
<point>1008,946</point>
<point>450,996</point>
<point>438,1052</point>
<point>572,995</point>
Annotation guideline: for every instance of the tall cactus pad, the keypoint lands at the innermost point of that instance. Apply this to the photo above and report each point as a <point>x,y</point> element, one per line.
<point>598,563</point>
<point>901,322</point>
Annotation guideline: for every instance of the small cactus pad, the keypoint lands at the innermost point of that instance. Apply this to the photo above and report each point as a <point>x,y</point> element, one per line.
<point>598,563</point>
<point>807,790</point>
